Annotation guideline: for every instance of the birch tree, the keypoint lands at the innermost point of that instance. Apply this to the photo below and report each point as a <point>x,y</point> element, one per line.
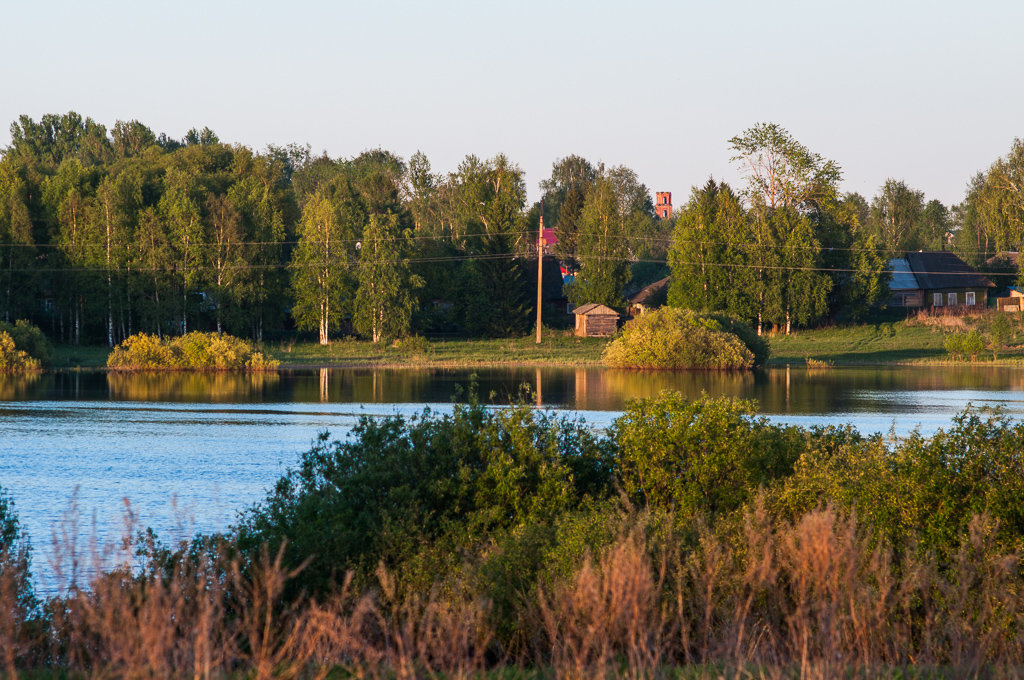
<point>384,300</point>
<point>322,264</point>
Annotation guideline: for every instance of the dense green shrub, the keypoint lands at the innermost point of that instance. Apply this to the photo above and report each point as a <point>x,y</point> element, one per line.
<point>703,457</point>
<point>999,333</point>
<point>964,345</point>
<point>421,494</point>
<point>923,489</point>
<point>193,351</point>
<point>757,345</point>
<point>13,359</point>
<point>14,557</point>
<point>29,339</point>
<point>678,338</point>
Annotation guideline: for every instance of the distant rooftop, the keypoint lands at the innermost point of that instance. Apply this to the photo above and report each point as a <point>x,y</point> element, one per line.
<point>902,278</point>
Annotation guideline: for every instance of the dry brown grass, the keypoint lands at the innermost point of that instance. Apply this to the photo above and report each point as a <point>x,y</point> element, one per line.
<point>817,598</point>
<point>607,620</point>
<point>946,318</point>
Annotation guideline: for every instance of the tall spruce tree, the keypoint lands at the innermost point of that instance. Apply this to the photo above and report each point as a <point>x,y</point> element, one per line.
<point>709,253</point>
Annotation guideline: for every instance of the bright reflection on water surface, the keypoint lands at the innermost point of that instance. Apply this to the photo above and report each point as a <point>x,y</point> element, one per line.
<point>191,450</point>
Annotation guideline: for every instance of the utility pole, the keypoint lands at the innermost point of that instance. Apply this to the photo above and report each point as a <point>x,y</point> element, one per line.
<point>540,268</point>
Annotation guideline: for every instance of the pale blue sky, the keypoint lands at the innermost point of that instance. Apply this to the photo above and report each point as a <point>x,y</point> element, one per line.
<point>930,92</point>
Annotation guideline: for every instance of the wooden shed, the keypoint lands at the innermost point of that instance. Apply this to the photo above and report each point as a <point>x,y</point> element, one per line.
<point>595,321</point>
<point>648,298</point>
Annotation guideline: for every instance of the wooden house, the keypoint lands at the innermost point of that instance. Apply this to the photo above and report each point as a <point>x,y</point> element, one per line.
<point>595,321</point>
<point>948,281</point>
<point>649,297</point>
<point>936,279</point>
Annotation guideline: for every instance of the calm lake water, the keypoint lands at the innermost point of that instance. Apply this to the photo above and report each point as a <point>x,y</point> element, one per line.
<point>190,451</point>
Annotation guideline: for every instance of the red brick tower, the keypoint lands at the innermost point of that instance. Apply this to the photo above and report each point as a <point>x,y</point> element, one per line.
<point>663,205</point>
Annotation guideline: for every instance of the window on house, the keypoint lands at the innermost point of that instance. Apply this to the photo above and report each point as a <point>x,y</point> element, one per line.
<point>951,299</point>
<point>969,298</point>
<point>937,299</point>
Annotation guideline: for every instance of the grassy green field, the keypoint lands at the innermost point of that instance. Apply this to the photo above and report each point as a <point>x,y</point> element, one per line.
<point>556,349</point>
<point>914,341</point>
<point>917,340</point>
<point>862,344</point>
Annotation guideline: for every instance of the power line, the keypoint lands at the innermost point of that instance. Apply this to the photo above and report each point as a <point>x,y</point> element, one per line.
<point>453,258</point>
<point>668,241</point>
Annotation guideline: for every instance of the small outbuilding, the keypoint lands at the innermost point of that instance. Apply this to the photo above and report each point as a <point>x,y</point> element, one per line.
<point>648,298</point>
<point>596,321</point>
<point>1011,302</point>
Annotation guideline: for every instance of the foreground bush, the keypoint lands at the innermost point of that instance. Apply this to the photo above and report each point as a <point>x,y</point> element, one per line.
<point>674,338</point>
<point>193,351</point>
<point>691,535</point>
<point>811,598</point>
<point>414,494</point>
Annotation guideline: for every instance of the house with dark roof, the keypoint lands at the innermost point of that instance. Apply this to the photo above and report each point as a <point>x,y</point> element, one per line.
<point>933,279</point>
<point>649,297</point>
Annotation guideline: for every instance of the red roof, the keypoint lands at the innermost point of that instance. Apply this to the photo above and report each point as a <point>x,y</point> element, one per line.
<point>549,236</point>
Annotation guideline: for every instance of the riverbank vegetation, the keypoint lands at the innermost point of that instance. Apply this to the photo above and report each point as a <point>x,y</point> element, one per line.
<point>23,347</point>
<point>670,338</point>
<point>194,351</point>
<point>12,359</point>
<point>897,340</point>
<point>691,539</point>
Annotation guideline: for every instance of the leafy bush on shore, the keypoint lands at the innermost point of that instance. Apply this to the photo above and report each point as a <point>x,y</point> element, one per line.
<point>678,338</point>
<point>964,345</point>
<point>12,359</point>
<point>193,351</point>
<point>29,339</point>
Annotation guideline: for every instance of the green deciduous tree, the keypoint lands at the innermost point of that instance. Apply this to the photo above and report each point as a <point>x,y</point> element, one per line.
<point>896,213</point>
<point>180,209</point>
<point>867,284</point>
<point>602,248</point>
<point>796,292</point>
<point>565,192</point>
<point>782,172</point>
<point>992,213</point>
<point>384,300</point>
<point>323,262</point>
<point>17,244</point>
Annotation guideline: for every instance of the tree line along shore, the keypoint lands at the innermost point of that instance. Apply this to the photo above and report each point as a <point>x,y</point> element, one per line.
<point>108,233</point>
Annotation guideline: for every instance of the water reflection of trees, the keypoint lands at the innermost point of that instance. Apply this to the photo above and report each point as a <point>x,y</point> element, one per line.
<point>371,386</point>
<point>19,386</point>
<point>163,386</point>
<point>778,390</point>
<point>608,390</point>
